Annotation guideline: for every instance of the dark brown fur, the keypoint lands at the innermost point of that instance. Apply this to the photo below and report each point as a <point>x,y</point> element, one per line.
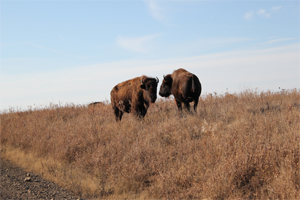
<point>184,86</point>
<point>133,96</point>
<point>96,104</point>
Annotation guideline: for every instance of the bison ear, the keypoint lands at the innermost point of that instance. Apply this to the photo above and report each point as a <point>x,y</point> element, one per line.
<point>143,86</point>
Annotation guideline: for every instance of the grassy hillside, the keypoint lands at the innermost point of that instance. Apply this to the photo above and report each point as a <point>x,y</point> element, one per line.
<point>244,145</point>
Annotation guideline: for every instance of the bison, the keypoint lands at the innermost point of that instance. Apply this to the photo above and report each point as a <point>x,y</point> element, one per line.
<point>98,103</point>
<point>134,95</point>
<point>184,86</point>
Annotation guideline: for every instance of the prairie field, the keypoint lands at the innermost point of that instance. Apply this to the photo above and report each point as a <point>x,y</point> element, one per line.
<point>237,146</point>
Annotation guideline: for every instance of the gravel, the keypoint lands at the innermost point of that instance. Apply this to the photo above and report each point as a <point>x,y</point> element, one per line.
<point>19,184</point>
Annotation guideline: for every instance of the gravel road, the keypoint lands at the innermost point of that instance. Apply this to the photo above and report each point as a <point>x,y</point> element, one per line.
<point>19,184</point>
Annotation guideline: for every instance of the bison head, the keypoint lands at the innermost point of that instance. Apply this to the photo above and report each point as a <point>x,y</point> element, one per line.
<point>149,85</point>
<point>166,86</point>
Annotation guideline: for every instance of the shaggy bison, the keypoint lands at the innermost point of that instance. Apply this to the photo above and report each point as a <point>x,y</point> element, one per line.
<point>184,86</point>
<point>134,95</point>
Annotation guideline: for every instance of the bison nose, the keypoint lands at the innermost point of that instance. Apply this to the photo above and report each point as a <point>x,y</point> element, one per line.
<point>153,97</point>
<point>161,94</point>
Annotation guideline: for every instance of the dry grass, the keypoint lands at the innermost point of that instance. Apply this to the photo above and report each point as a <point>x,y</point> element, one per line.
<point>244,145</point>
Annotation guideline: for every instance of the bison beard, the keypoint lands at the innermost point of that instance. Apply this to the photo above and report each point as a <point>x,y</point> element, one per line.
<point>133,96</point>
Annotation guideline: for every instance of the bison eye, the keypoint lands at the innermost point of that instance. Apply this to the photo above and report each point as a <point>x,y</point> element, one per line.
<point>145,87</point>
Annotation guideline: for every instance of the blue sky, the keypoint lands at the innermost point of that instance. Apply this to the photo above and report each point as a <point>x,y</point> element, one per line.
<point>76,51</point>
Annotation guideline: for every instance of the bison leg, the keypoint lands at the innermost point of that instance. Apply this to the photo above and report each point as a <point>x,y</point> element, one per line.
<point>141,112</point>
<point>118,114</point>
<point>196,104</point>
<point>178,103</point>
<point>187,104</point>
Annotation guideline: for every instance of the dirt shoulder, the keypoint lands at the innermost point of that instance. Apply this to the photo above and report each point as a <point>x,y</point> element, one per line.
<point>14,185</point>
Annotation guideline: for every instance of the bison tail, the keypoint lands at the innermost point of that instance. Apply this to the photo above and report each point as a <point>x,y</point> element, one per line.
<point>193,84</point>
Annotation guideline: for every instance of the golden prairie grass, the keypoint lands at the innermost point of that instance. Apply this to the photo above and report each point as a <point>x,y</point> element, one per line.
<point>243,145</point>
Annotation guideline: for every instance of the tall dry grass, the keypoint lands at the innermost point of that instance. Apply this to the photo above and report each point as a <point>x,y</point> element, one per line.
<point>243,145</point>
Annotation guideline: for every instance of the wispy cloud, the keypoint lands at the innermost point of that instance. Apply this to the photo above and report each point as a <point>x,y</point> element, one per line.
<point>137,44</point>
<point>156,11</point>
<point>202,45</point>
<point>281,40</point>
<point>262,13</point>
<point>248,15</point>
<point>276,8</point>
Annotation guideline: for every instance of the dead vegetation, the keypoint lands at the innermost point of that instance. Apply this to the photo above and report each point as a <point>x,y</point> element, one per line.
<point>242,145</point>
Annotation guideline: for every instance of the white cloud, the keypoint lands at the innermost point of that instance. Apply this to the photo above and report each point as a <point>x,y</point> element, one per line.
<point>281,40</point>
<point>137,44</point>
<point>263,13</point>
<point>156,11</point>
<point>276,8</point>
<point>248,15</point>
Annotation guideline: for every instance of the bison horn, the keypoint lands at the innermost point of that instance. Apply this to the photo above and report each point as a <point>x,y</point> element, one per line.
<point>157,80</point>
<point>143,80</point>
<point>164,77</point>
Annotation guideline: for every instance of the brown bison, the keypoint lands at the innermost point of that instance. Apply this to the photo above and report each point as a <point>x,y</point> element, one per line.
<point>98,103</point>
<point>184,86</point>
<point>134,96</point>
